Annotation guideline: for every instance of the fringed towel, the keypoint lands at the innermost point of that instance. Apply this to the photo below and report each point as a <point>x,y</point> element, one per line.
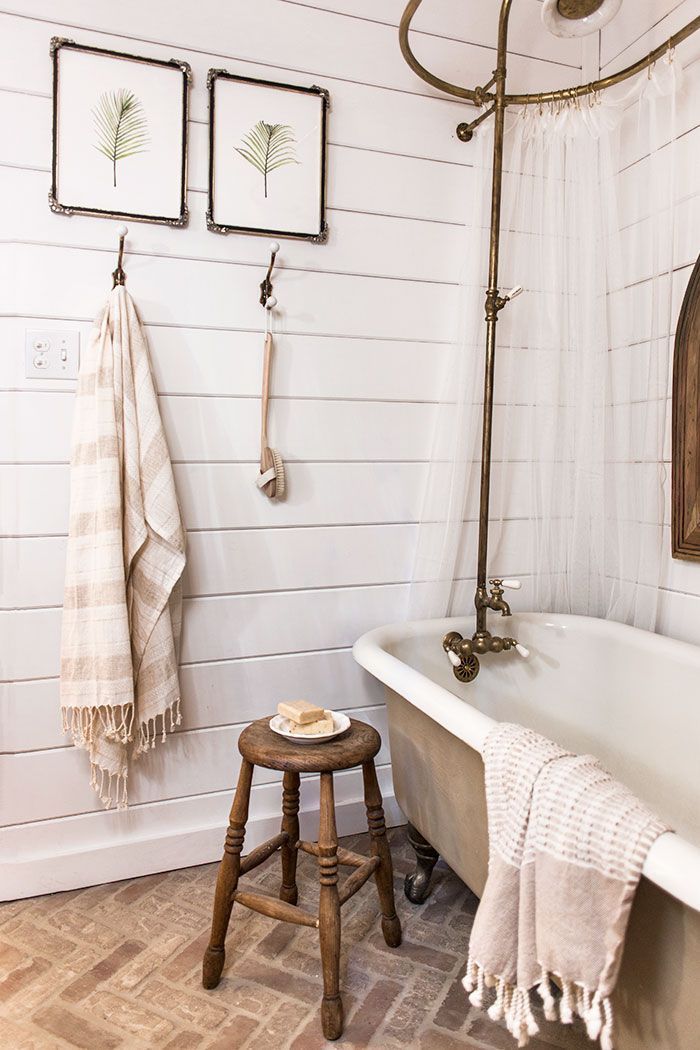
<point>566,849</point>
<point>126,552</point>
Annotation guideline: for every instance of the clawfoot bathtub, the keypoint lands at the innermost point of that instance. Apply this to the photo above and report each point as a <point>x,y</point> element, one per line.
<point>628,697</point>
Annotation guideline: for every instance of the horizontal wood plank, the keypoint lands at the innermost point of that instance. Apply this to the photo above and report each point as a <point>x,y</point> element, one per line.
<point>229,363</point>
<point>196,762</point>
<point>227,692</point>
<point>224,628</point>
<point>326,303</point>
<point>218,429</point>
<point>219,496</point>
<point>234,562</point>
<point>224,496</point>
<point>263,560</point>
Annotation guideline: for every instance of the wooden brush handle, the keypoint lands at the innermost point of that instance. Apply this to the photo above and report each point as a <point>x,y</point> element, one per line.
<point>267,361</point>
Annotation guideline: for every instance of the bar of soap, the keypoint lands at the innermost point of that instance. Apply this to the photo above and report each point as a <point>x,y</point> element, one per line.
<point>300,711</point>
<point>318,728</point>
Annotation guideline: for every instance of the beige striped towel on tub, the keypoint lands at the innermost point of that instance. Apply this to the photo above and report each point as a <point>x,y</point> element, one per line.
<point>566,848</point>
<point>126,553</point>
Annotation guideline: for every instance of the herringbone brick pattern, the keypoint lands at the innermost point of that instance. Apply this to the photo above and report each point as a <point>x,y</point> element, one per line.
<point>118,966</point>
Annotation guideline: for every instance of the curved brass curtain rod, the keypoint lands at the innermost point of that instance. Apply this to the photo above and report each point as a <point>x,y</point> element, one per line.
<point>465,652</point>
<point>479,95</point>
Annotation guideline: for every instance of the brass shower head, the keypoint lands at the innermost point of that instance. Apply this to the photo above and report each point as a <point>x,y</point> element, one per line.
<point>578,8</point>
<point>578,17</point>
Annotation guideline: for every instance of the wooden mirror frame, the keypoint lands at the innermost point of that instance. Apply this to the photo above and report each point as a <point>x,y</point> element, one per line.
<point>685,437</point>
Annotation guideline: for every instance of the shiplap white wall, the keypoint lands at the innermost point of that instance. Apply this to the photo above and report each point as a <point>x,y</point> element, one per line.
<point>275,594</point>
<point>635,31</point>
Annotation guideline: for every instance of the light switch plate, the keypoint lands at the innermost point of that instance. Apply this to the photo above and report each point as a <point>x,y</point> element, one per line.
<point>51,355</point>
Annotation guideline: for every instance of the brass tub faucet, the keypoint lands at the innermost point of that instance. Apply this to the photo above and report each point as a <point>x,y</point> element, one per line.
<point>495,600</point>
<point>463,653</point>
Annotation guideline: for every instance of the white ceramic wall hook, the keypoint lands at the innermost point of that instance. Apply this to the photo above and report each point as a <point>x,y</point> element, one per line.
<point>271,302</point>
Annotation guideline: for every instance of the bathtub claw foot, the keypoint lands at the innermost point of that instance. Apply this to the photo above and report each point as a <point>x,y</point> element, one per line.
<point>417,884</point>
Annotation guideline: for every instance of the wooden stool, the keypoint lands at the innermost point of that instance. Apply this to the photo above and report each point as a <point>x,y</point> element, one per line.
<point>259,746</point>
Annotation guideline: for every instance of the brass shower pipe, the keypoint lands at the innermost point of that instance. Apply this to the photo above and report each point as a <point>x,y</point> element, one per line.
<point>463,652</point>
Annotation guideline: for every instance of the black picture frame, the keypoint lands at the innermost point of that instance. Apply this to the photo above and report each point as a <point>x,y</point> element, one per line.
<point>65,208</point>
<point>316,236</point>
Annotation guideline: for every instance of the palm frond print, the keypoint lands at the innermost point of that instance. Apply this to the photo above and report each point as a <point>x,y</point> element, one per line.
<point>268,147</point>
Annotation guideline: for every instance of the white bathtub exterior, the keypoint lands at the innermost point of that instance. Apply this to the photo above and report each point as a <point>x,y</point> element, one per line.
<point>627,696</point>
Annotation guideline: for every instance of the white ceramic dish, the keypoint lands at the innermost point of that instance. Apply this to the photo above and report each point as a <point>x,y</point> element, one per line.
<point>340,721</point>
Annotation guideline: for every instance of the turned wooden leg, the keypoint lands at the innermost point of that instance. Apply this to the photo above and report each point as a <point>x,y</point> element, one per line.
<point>290,824</point>
<point>227,879</point>
<point>384,875</point>
<point>329,913</point>
<point>417,884</point>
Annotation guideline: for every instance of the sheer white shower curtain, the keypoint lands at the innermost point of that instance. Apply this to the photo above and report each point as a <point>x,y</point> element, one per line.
<point>583,365</point>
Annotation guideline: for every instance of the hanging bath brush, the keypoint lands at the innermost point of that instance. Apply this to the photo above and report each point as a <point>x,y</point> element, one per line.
<point>271,479</point>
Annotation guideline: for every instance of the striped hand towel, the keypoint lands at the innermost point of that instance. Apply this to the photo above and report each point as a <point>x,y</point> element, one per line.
<point>126,553</point>
<point>567,844</point>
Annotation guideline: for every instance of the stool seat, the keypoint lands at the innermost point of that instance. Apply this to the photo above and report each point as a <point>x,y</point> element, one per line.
<point>259,746</point>
<point>263,747</point>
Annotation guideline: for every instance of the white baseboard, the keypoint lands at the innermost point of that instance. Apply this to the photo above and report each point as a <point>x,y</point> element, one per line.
<point>50,856</point>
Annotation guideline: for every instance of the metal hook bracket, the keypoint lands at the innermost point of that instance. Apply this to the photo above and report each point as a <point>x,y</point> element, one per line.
<point>118,275</point>
<point>266,284</point>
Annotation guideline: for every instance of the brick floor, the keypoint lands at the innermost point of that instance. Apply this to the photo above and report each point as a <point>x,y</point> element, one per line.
<point>118,966</point>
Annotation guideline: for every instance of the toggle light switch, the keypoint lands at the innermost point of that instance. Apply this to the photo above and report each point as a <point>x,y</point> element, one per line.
<point>51,355</point>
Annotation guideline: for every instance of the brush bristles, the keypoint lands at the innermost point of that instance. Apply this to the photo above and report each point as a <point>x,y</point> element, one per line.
<point>275,487</point>
<point>280,480</point>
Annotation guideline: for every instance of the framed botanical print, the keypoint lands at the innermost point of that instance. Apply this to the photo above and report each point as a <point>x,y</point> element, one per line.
<point>119,134</point>
<point>267,157</point>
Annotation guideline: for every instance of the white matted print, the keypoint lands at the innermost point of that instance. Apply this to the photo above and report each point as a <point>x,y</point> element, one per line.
<point>119,134</point>
<point>267,150</point>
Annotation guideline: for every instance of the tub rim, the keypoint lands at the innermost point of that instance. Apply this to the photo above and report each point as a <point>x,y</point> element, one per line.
<point>672,863</point>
